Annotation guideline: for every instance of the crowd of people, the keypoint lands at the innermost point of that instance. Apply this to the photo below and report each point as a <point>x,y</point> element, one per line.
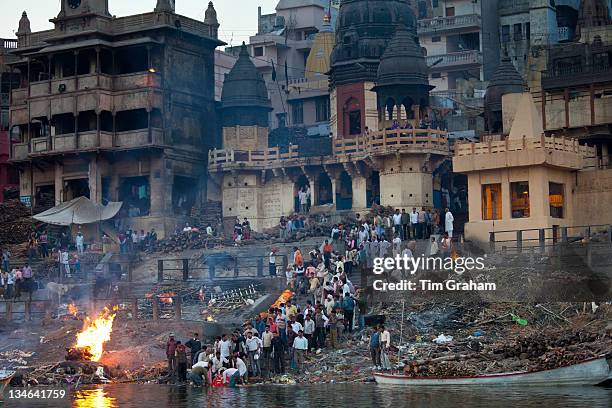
<point>274,342</point>
<point>15,280</point>
<point>132,241</point>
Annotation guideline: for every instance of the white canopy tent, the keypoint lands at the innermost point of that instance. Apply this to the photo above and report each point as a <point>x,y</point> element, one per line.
<point>79,211</point>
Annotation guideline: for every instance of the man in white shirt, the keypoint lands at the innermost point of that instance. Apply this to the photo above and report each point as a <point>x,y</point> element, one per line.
<point>224,346</point>
<point>309,329</point>
<point>242,368</point>
<point>231,377</point>
<point>300,345</point>
<point>253,346</point>
<point>414,222</point>
<point>448,223</point>
<point>209,230</point>
<point>385,343</point>
<point>295,325</point>
<point>397,244</point>
<point>397,224</point>
<point>272,262</point>
<point>80,243</point>
<point>216,362</point>
<point>64,259</point>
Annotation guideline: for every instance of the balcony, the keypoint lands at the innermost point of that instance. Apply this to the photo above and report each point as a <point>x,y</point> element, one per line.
<point>576,75</point>
<point>86,141</point>
<point>508,7</point>
<point>93,81</point>
<point>137,138</point>
<point>455,60</point>
<point>455,23</point>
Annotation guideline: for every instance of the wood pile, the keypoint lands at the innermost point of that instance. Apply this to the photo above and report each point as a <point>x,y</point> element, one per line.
<point>15,222</point>
<point>210,213</point>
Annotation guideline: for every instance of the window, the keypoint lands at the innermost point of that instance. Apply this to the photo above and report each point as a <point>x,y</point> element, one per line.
<point>355,122</point>
<point>518,32</point>
<point>528,31</point>
<point>505,33</point>
<point>282,119</point>
<point>519,194</point>
<point>491,202</point>
<point>436,39</point>
<point>422,9</point>
<point>259,51</point>
<point>450,12</point>
<point>556,199</point>
<point>435,3</point>
<point>322,109</point>
<point>297,113</point>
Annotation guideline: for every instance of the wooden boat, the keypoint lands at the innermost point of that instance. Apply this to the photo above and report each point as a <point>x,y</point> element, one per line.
<point>5,378</point>
<point>590,372</point>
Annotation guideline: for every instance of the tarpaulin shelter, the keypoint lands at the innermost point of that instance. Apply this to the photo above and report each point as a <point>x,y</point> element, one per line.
<point>79,211</point>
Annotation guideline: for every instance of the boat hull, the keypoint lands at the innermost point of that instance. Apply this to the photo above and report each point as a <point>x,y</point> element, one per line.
<point>590,372</point>
<point>5,379</point>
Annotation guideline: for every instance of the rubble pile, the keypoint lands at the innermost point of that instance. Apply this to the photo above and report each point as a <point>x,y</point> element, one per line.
<point>486,339</point>
<point>15,222</point>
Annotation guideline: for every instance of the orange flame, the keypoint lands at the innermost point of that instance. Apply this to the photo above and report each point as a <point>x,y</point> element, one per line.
<point>97,332</point>
<point>72,309</point>
<point>166,297</point>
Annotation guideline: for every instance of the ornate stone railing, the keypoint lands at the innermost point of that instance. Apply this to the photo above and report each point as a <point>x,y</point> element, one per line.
<point>389,141</point>
<point>552,143</point>
<point>227,156</point>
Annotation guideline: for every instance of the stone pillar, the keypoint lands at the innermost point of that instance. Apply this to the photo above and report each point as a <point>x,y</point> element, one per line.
<point>59,183</point>
<point>114,185</point>
<point>334,184</point>
<point>605,155</point>
<point>313,190</point>
<point>161,180</point>
<point>359,185</point>
<point>95,181</point>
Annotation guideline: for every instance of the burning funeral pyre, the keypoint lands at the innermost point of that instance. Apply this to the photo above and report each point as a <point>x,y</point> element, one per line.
<point>90,341</point>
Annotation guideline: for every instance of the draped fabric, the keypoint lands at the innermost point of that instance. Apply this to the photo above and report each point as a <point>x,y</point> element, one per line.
<point>80,211</point>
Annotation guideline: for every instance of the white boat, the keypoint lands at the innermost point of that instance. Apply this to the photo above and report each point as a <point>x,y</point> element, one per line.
<point>590,372</point>
<point>5,378</point>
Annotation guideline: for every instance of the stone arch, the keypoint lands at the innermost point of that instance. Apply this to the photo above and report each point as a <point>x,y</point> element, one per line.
<point>324,189</point>
<point>373,189</point>
<point>300,183</point>
<point>352,116</point>
<point>344,192</point>
<point>407,103</point>
<point>389,108</point>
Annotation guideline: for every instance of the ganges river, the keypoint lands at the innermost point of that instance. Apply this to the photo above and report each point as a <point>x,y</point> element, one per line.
<point>346,395</point>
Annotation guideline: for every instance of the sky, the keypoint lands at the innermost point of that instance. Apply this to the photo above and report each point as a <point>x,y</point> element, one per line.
<point>238,18</point>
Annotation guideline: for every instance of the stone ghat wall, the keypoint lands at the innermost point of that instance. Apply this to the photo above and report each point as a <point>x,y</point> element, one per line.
<point>592,197</point>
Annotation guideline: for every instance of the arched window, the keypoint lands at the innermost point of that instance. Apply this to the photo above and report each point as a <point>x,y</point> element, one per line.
<point>352,117</point>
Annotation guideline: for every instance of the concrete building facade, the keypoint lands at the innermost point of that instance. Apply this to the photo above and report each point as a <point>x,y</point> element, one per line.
<point>116,109</point>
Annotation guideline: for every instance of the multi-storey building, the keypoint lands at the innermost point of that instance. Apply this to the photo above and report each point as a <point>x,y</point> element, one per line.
<point>383,148</point>
<point>281,48</point>
<point>545,171</point>
<point>116,109</point>
<point>9,178</point>
<point>461,40</point>
<point>575,97</point>
<point>527,28</point>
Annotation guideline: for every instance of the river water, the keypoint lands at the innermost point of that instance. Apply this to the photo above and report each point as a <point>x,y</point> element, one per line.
<point>324,395</point>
